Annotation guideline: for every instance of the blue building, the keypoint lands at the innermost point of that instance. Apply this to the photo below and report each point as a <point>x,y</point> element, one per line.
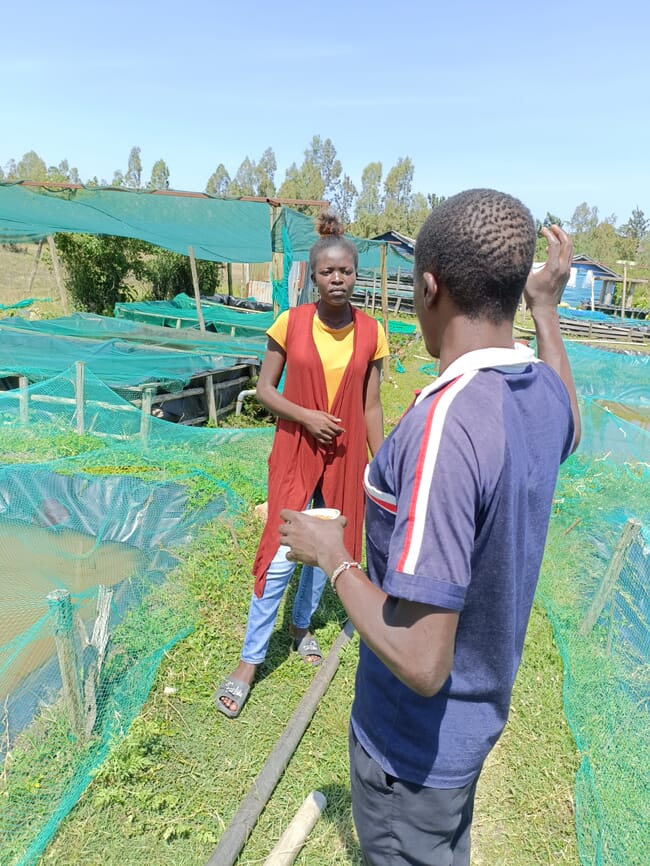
<point>589,283</point>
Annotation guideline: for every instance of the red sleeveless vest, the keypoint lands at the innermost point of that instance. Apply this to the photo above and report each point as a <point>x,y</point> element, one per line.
<point>298,464</point>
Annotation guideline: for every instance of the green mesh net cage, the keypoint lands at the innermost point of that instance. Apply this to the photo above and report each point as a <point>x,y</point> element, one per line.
<point>92,528</point>
<point>594,587</point>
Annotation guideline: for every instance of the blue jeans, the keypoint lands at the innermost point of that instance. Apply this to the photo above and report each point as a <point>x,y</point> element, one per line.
<point>263,612</point>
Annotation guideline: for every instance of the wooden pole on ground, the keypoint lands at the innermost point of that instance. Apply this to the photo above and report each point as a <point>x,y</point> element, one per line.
<point>294,837</point>
<point>237,832</point>
<point>57,274</point>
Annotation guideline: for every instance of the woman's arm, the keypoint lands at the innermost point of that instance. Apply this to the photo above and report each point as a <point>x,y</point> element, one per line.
<point>322,426</point>
<point>372,407</point>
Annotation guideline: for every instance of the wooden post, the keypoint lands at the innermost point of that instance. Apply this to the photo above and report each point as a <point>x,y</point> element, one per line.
<point>384,297</point>
<point>80,377</point>
<point>57,274</point>
<point>23,385</point>
<point>209,395</point>
<point>624,290</point>
<point>631,533</point>
<point>229,274</point>
<point>294,837</point>
<point>145,418</point>
<point>374,288</point>
<point>197,294</point>
<point>37,259</point>
<point>61,609</point>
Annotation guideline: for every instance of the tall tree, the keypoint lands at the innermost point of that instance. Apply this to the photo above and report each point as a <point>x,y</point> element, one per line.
<point>159,175</point>
<point>243,182</point>
<point>218,181</point>
<point>30,167</point>
<point>118,179</point>
<point>265,174</point>
<point>368,207</point>
<point>584,219</point>
<point>344,198</point>
<point>398,197</point>
<point>419,211</point>
<point>636,228</point>
<point>133,176</point>
<point>317,177</point>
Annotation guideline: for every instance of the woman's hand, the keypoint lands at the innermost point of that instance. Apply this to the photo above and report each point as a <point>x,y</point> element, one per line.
<point>322,426</point>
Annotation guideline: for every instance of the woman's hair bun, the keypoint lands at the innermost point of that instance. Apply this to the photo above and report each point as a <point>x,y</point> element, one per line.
<point>328,224</point>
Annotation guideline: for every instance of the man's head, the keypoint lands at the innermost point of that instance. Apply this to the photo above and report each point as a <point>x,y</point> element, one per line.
<point>479,245</point>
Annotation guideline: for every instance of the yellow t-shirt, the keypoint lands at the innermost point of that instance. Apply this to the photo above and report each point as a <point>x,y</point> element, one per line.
<point>333,345</point>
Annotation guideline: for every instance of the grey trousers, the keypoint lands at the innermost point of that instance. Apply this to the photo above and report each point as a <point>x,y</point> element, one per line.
<point>402,824</point>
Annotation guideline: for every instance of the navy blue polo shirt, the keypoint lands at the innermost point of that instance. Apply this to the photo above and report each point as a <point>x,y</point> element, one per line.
<point>458,503</point>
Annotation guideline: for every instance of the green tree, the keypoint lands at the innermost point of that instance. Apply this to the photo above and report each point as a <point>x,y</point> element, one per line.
<point>265,174</point>
<point>218,181</point>
<point>317,177</point>
<point>118,179</point>
<point>398,196</point>
<point>159,175</point>
<point>170,274</point>
<point>369,204</point>
<point>243,182</point>
<point>419,211</point>
<point>30,167</point>
<point>98,268</point>
<point>636,228</point>
<point>133,176</point>
<point>344,198</point>
<point>584,219</point>
<point>62,173</point>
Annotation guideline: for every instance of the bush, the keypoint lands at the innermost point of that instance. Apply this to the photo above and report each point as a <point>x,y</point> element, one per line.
<point>97,268</point>
<point>170,274</point>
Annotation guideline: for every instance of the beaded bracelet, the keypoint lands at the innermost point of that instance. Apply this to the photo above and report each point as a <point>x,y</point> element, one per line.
<point>339,571</point>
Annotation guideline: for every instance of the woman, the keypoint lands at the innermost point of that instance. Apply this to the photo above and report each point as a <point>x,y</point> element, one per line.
<point>329,414</point>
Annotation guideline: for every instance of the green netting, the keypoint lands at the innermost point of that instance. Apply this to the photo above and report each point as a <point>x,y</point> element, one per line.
<point>595,588</point>
<point>181,312</point>
<point>91,326</point>
<point>93,529</point>
<point>121,364</point>
<point>218,230</point>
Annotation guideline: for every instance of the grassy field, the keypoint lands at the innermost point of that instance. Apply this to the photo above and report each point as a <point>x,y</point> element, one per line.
<point>167,793</point>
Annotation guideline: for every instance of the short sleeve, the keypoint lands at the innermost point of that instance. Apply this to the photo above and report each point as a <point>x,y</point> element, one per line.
<point>278,330</point>
<point>382,344</point>
<point>438,490</point>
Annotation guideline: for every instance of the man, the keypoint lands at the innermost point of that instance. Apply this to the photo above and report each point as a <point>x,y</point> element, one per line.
<point>458,503</point>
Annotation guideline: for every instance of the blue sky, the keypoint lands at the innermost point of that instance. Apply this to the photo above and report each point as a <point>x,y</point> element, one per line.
<point>546,101</point>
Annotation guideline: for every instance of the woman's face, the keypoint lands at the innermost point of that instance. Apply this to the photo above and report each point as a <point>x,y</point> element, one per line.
<point>334,275</point>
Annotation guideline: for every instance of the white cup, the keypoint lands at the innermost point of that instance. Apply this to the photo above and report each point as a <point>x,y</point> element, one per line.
<point>323,513</point>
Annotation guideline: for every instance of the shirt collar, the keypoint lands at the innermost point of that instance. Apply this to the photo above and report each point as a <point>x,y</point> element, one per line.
<point>493,358</point>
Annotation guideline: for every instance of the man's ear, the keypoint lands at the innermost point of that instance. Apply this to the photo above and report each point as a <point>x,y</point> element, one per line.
<point>431,289</point>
